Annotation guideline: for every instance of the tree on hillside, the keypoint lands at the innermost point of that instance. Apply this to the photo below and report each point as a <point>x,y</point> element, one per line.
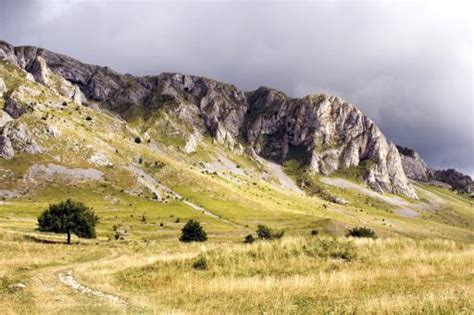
<point>69,217</point>
<point>193,232</point>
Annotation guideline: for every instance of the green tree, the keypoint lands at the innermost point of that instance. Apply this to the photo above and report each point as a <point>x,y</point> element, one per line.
<point>69,217</point>
<point>193,232</point>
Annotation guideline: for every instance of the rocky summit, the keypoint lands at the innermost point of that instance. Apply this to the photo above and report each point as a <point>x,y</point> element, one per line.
<point>322,131</point>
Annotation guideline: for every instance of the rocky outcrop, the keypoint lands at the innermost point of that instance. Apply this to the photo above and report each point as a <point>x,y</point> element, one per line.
<point>415,168</point>
<point>4,118</point>
<point>3,88</point>
<point>17,136</point>
<point>39,70</point>
<point>413,165</point>
<point>192,142</point>
<point>326,132</point>
<point>13,106</point>
<point>6,149</point>
<point>322,131</point>
<point>457,180</point>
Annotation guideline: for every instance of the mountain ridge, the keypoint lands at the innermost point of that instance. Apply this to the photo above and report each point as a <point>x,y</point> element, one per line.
<point>322,131</point>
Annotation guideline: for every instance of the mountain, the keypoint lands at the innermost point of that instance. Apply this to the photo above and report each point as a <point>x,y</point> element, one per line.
<point>321,132</point>
<point>415,168</point>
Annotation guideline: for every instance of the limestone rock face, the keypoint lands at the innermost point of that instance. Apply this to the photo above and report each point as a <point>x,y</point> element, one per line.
<point>413,165</point>
<point>323,131</point>
<point>221,106</point>
<point>328,133</point>
<point>21,138</point>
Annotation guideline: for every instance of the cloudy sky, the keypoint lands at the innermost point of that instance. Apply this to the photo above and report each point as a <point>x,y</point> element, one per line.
<point>408,65</point>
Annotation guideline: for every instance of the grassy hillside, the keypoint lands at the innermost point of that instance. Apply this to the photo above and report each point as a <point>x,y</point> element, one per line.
<point>148,189</point>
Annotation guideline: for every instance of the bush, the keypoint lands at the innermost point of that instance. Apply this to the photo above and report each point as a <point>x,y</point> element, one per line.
<point>138,140</point>
<point>361,232</point>
<point>200,263</point>
<point>193,232</point>
<point>314,232</point>
<point>69,217</point>
<point>265,233</point>
<point>249,239</point>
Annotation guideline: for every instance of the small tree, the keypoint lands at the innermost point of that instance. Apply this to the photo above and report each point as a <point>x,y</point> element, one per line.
<point>69,217</point>
<point>193,232</point>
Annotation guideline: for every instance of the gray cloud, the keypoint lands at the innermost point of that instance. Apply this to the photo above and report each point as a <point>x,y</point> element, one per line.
<point>407,65</point>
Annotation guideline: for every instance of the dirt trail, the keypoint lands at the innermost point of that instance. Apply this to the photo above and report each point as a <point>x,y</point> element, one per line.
<point>48,286</point>
<point>69,280</point>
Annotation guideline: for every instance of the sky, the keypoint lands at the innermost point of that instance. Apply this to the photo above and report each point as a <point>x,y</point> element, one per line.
<point>406,64</point>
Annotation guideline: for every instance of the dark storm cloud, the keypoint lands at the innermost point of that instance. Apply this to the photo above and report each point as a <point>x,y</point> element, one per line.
<point>407,65</point>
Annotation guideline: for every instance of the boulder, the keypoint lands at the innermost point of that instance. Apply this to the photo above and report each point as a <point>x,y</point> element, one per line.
<point>6,148</point>
<point>13,106</point>
<point>39,70</point>
<point>192,142</point>
<point>4,119</point>
<point>3,87</point>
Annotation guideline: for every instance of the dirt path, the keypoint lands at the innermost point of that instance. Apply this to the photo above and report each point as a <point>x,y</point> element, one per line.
<point>49,284</point>
<point>68,279</point>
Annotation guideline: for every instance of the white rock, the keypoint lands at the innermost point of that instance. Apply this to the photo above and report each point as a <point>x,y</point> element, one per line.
<point>3,87</point>
<point>100,159</point>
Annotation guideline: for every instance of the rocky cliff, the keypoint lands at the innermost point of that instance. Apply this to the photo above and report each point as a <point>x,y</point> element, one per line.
<point>323,131</point>
<point>415,168</point>
<point>413,165</point>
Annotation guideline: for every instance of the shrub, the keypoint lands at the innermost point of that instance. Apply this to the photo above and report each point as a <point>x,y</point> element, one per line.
<point>314,232</point>
<point>361,232</point>
<point>69,217</point>
<point>138,140</point>
<point>265,233</point>
<point>200,263</point>
<point>249,239</point>
<point>193,232</point>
